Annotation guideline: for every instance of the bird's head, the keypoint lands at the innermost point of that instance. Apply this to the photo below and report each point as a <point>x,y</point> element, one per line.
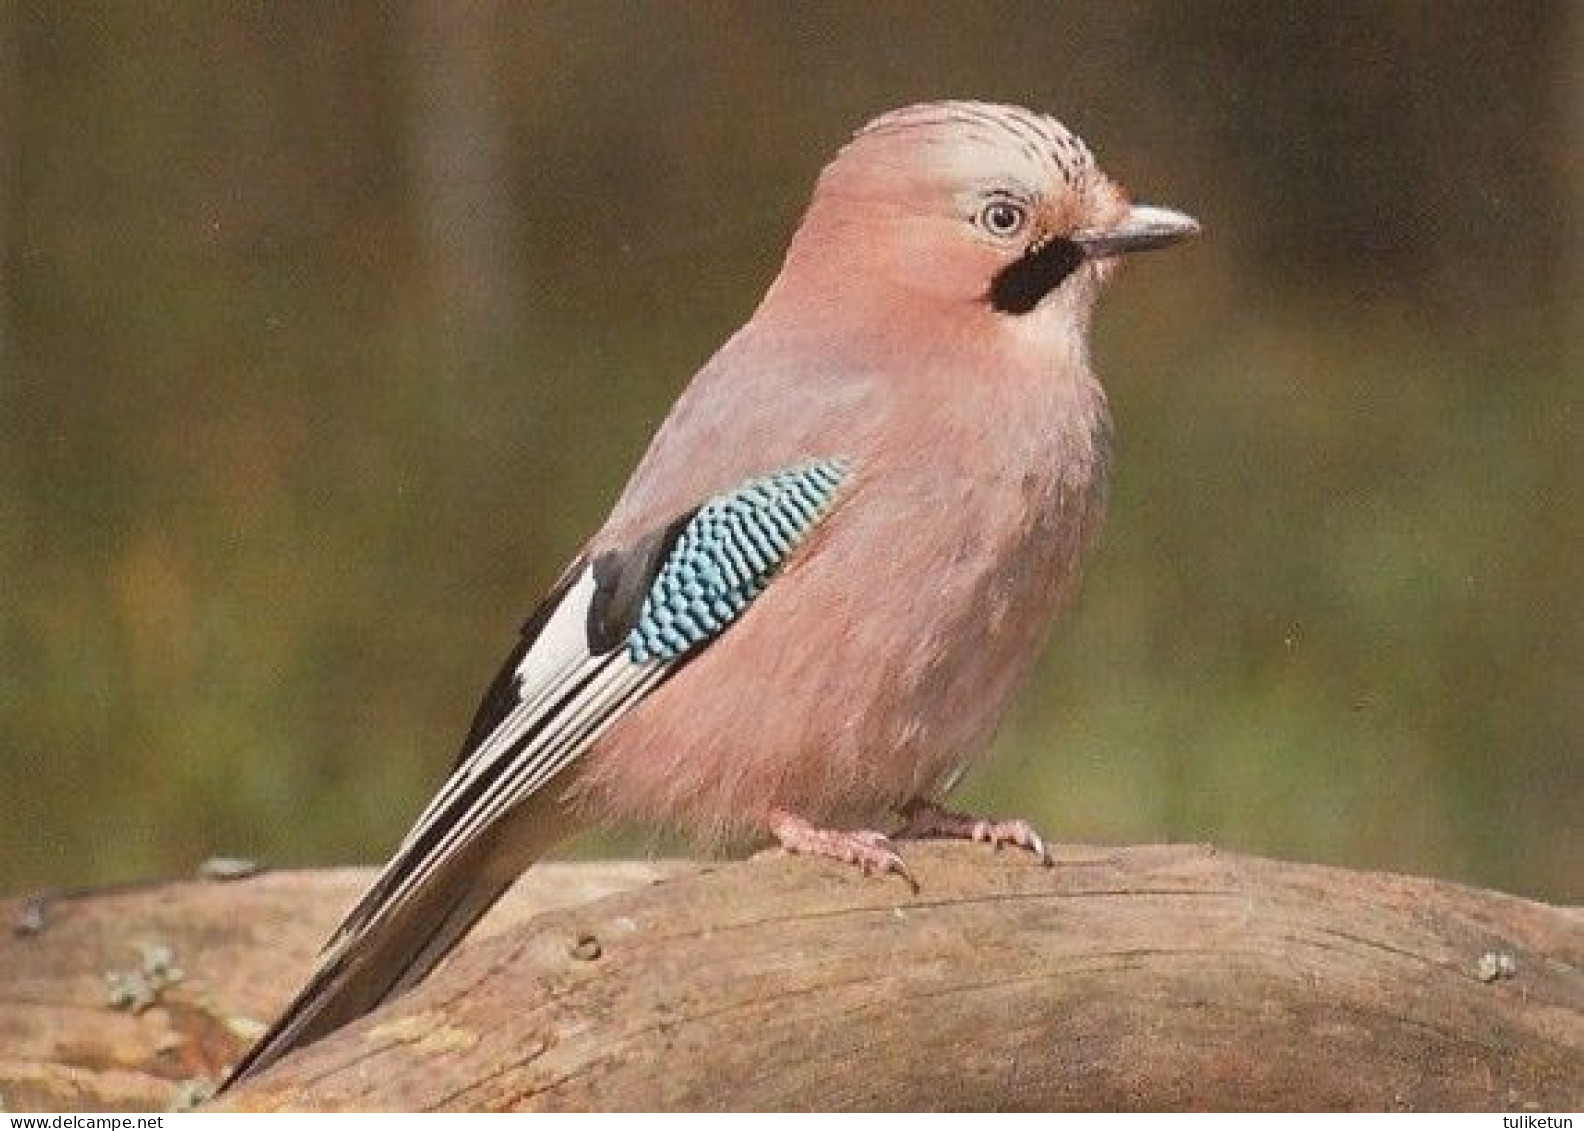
<point>977,207</point>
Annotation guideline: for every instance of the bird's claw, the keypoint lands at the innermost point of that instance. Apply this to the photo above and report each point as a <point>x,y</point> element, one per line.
<point>999,834</point>
<point>926,820</point>
<point>871,851</point>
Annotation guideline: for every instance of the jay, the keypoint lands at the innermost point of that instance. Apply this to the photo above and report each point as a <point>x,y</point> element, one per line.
<point>825,580</point>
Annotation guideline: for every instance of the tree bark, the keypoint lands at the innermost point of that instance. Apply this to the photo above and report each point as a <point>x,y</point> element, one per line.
<point>1130,978</point>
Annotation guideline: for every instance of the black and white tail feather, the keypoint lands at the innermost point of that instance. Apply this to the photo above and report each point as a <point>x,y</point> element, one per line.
<point>611,631</point>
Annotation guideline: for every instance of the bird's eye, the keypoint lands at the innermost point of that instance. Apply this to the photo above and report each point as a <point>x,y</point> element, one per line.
<point>1003,218</point>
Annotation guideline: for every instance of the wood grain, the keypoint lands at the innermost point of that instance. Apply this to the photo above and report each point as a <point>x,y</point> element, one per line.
<point>1154,977</point>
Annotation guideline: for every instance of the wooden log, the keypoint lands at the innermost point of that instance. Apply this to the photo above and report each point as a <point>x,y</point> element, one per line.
<point>1130,978</point>
<point>89,1022</point>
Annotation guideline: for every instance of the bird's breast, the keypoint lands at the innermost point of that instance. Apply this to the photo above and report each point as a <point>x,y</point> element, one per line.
<point>883,658</point>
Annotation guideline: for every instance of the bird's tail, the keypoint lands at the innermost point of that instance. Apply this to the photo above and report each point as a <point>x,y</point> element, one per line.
<point>364,966</point>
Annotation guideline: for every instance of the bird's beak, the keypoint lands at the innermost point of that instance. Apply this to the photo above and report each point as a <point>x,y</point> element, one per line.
<point>1142,229</point>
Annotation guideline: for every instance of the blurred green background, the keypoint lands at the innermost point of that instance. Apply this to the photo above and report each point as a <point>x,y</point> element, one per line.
<point>328,331</point>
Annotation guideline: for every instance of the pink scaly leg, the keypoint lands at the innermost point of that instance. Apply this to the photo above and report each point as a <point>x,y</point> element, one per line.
<point>926,820</point>
<point>871,851</point>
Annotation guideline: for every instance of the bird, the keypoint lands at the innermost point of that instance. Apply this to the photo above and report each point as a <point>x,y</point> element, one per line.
<point>837,561</point>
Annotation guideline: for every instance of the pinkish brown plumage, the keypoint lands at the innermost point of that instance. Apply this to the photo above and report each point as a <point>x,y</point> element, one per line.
<point>980,443</point>
<point>834,657</point>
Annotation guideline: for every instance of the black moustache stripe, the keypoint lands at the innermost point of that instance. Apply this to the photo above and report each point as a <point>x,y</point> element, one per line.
<point>1018,287</point>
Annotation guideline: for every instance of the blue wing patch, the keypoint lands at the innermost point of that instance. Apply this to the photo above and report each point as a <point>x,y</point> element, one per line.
<point>727,554</point>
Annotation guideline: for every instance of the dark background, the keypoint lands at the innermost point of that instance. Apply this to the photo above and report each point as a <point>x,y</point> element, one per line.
<point>327,333</point>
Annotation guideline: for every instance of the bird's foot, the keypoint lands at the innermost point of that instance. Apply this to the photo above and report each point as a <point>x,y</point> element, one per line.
<point>926,820</point>
<point>871,851</point>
